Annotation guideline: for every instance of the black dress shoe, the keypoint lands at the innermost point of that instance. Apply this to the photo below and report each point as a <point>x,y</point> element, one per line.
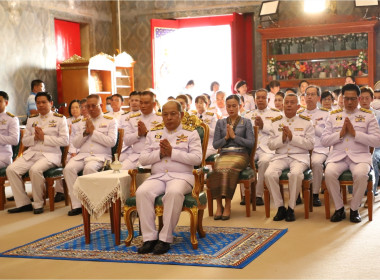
<point>290,217</point>
<point>299,200</point>
<point>316,201</point>
<point>281,214</point>
<point>217,217</point>
<point>24,208</point>
<point>38,211</point>
<point>75,212</point>
<point>259,201</point>
<point>355,216</point>
<point>59,197</point>
<point>242,202</point>
<point>161,248</point>
<point>11,198</point>
<point>147,247</point>
<point>339,215</point>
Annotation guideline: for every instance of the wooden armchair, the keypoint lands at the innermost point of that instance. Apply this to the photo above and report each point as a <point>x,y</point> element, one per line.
<point>194,203</point>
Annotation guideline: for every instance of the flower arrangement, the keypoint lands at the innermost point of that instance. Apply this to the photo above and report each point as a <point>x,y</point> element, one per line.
<point>271,67</point>
<point>361,61</point>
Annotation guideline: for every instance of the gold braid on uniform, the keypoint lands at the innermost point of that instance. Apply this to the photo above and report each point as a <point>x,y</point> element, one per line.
<point>366,110</point>
<point>157,127</point>
<point>277,118</point>
<point>304,117</point>
<point>190,122</point>
<point>336,111</point>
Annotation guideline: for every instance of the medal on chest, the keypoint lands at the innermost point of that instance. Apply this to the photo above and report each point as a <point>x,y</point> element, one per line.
<point>181,138</point>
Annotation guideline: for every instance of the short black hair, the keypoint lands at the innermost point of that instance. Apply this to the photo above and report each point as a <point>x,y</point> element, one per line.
<point>273,84</point>
<point>239,84</point>
<point>189,97</point>
<point>150,93</point>
<point>280,93</point>
<point>133,93</point>
<point>71,104</point>
<point>326,94</point>
<point>118,95</point>
<point>109,97</point>
<point>301,82</point>
<point>82,101</point>
<point>97,97</point>
<point>44,93</point>
<point>213,84</point>
<point>184,97</point>
<point>201,98</point>
<point>352,78</point>
<point>234,96</point>
<point>4,95</point>
<point>351,87</point>
<point>291,89</point>
<point>367,89</point>
<point>35,83</point>
<point>190,83</point>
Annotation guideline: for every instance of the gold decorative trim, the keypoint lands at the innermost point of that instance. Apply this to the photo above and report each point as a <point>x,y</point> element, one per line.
<point>75,59</point>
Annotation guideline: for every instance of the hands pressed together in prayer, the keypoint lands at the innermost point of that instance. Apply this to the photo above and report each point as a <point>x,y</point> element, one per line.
<point>165,148</point>
<point>347,128</point>
<point>230,132</point>
<point>286,134</point>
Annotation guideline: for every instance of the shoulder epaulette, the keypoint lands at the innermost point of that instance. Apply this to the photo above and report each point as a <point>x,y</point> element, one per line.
<point>300,110</point>
<point>33,116</point>
<point>324,109</point>
<point>58,115</point>
<point>275,109</point>
<point>107,112</point>
<point>159,114</point>
<point>84,119</point>
<point>336,111</point>
<point>135,115</point>
<point>211,108</point>
<point>366,110</point>
<point>210,113</point>
<point>157,127</point>
<point>304,117</point>
<point>277,118</point>
<point>10,114</point>
<point>75,121</point>
<point>194,111</point>
<point>108,117</point>
<point>188,127</point>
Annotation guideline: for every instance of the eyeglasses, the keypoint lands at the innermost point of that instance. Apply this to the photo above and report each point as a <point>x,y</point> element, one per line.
<point>350,98</point>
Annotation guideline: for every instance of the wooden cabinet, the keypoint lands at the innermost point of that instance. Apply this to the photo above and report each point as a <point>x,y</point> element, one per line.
<point>290,54</point>
<point>102,74</point>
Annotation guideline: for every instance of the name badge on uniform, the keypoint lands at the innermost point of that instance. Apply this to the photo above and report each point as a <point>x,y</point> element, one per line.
<point>34,124</point>
<point>181,138</point>
<point>158,136</point>
<point>298,129</point>
<point>359,118</point>
<point>52,123</point>
<point>103,125</point>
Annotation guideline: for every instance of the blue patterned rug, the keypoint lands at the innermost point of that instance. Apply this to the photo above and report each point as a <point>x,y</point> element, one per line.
<point>230,247</point>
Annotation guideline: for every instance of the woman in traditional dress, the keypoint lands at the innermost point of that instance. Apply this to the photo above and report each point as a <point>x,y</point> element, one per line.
<point>234,137</point>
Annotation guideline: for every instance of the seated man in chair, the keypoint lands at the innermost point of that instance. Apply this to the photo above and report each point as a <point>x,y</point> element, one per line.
<point>173,151</point>
<point>94,136</point>
<point>350,132</point>
<point>44,134</point>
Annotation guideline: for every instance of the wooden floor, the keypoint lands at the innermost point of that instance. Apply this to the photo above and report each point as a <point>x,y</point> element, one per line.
<point>312,249</point>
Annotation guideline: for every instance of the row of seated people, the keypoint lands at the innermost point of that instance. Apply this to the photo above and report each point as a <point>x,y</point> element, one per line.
<point>291,136</point>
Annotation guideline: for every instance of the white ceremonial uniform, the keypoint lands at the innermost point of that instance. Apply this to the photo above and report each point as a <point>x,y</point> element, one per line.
<point>39,157</point>
<point>291,154</point>
<point>249,102</point>
<point>320,152</point>
<point>272,96</point>
<point>210,119</point>
<point>116,115</point>
<point>350,153</point>
<point>9,136</point>
<point>136,143</point>
<point>94,150</point>
<point>170,176</point>
<point>123,124</point>
<point>263,154</point>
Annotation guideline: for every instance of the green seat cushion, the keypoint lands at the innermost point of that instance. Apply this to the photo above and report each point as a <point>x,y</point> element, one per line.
<point>50,173</point>
<point>2,172</point>
<point>307,175</point>
<point>189,200</point>
<point>212,158</point>
<point>247,174</point>
<point>347,176</point>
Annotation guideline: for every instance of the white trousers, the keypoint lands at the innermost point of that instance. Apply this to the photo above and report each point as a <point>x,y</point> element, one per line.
<point>317,161</point>
<point>128,164</point>
<point>360,176</point>
<point>174,190</point>
<point>71,174</point>
<point>295,176</point>
<point>263,163</point>
<point>36,166</point>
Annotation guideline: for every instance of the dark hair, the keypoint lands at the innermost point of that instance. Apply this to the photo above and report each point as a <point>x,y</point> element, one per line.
<point>4,95</point>
<point>208,99</point>
<point>151,94</point>
<point>213,84</point>
<point>337,91</point>
<point>316,87</point>
<point>352,78</point>
<point>377,90</point>
<point>201,98</point>
<point>190,83</point>
<point>118,95</point>
<point>108,97</point>
<point>280,93</point>
<point>82,101</point>
<point>71,104</point>
<point>241,98</point>
<point>97,97</point>
<point>367,89</point>
<point>35,83</point>
<point>326,94</point>
<point>301,82</point>
<point>291,89</point>
<point>274,83</point>
<point>170,98</point>
<point>234,96</point>
<point>351,87</point>
<point>189,97</point>
<point>133,93</point>
<point>179,106</point>
<point>44,93</point>
<point>239,84</point>
<point>184,97</point>
<point>260,89</point>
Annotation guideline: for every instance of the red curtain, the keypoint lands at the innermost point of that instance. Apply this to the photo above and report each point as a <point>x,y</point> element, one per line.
<point>241,40</point>
<point>67,43</point>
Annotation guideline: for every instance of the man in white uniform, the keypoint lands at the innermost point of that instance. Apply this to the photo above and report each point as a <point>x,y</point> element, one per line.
<point>291,136</point>
<point>350,132</point>
<point>44,134</point>
<point>9,131</point>
<point>320,153</point>
<point>95,137</point>
<point>262,117</point>
<point>172,151</point>
<point>136,129</point>
<point>116,103</point>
